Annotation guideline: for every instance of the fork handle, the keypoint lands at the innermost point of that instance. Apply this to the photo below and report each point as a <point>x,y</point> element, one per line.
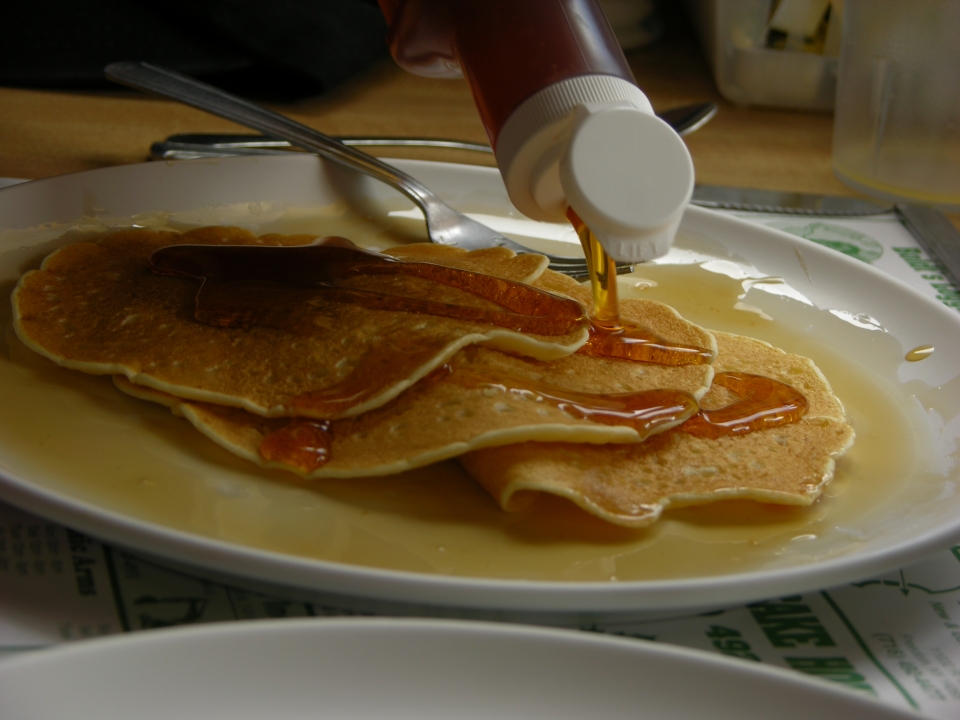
<point>144,76</point>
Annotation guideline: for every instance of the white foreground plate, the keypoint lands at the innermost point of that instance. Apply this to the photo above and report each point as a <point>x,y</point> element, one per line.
<point>404,669</point>
<point>75,450</point>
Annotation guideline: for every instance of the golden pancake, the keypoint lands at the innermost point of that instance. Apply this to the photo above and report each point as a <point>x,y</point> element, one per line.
<point>98,308</point>
<point>481,398</point>
<point>631,485</point>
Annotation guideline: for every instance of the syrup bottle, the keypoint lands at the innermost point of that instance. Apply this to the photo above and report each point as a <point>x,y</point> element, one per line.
<point>569,126</point>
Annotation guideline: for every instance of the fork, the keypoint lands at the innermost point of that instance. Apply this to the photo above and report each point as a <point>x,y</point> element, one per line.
<point>445,225</point>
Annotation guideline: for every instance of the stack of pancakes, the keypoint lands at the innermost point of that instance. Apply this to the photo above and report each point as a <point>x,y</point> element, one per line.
<point>100,308</point>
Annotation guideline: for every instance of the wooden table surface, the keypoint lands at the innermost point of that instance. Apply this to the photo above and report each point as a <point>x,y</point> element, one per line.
<point>44,132</point>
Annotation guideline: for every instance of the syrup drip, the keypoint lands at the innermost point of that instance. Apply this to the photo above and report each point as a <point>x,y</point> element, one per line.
<point>921,352</point>
<point>603,276</point>
<point>306,445</point>
<point>247,286</point>
<point>635,343</point>
<point>303,444</point>
<point>609,336</point>
<point>643,411</point>
<point>763,403</point>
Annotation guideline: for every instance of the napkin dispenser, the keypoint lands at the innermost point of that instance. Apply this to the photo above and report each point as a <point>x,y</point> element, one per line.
<point>765,52</point>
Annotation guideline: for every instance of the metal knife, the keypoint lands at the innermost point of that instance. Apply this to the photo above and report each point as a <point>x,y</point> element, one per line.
<point>684,119</point>
<point>783,202</point>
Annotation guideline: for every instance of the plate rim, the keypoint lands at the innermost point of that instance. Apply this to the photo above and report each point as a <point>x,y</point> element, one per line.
<point>423,631</point>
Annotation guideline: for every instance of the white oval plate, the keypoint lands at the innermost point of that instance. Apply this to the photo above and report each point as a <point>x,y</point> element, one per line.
<point>403,669</point>
<point>74,450</point>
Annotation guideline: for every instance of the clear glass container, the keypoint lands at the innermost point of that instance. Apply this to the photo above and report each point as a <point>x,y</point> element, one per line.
<point>896,132</point>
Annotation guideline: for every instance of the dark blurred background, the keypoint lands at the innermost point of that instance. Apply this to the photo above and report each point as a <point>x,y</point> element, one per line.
<point>280,50</point>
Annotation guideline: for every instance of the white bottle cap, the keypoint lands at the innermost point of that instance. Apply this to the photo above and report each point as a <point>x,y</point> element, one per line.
<point>593,143</point>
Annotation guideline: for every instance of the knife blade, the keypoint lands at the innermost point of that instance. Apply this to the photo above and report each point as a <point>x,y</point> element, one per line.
<point>784,202</point>
<point>684,119</point>
<point>192,145</point>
